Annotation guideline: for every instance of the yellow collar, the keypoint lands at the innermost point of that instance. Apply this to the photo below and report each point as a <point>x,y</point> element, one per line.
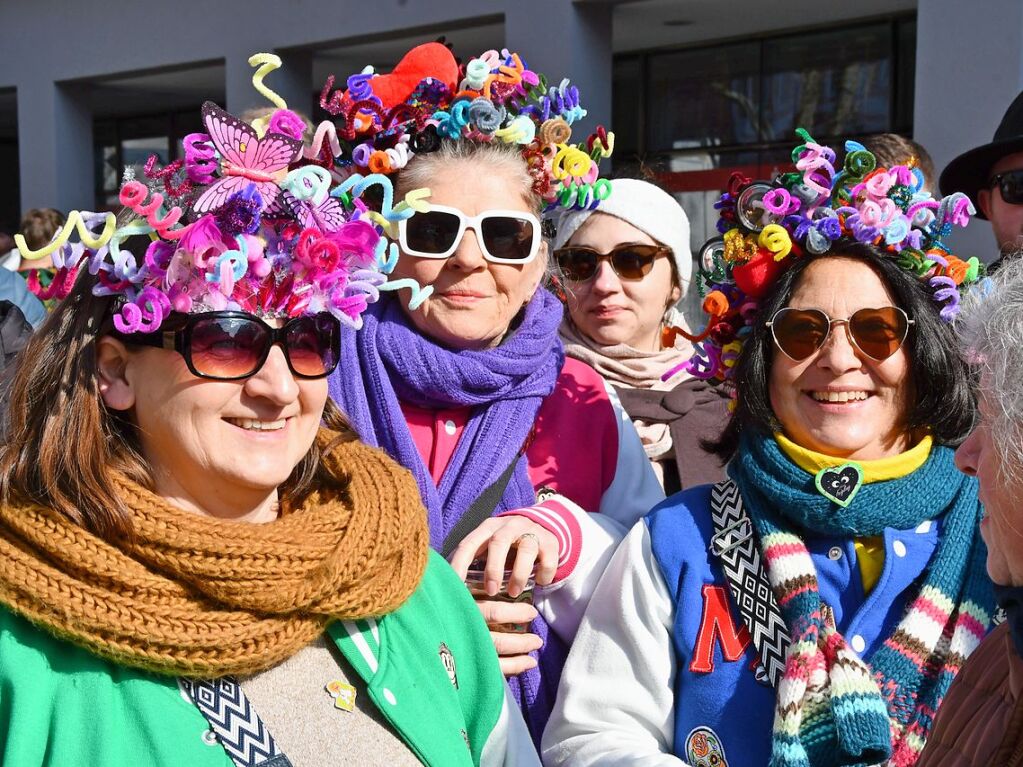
<point>877,470</point>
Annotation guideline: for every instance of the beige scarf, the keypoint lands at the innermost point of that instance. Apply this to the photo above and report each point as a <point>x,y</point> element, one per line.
<point>200,597</point>
<point>621,365</point>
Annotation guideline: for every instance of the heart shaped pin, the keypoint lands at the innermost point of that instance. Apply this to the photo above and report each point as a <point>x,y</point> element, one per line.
<point>839,483</point>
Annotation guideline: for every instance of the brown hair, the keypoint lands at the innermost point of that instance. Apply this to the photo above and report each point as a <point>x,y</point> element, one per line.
<point>891,149</point>
<point>63,444</point>
<point>38,226</point>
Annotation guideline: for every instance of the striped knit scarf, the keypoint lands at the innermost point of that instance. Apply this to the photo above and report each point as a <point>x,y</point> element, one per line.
<point>833,708</point>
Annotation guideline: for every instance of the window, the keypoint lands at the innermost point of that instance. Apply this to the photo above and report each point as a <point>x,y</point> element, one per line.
<point>707,97</point>
<point>737,105</point>
<point>128,142</point>
<point>696,115</point>
<point>626,104</point>
<point>833,83</point>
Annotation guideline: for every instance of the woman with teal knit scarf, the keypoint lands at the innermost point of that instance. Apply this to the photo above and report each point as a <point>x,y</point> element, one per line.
<point>813,609</point>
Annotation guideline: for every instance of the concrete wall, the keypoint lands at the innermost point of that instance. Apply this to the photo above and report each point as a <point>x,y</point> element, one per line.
<point>49,44</point>
<point>969,68</point>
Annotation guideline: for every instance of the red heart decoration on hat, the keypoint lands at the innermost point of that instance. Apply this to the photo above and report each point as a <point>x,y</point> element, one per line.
<point>756,275</point>
<point>426,60</point>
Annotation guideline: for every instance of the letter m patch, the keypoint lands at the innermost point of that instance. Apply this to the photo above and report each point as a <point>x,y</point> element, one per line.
<point>717,627</point>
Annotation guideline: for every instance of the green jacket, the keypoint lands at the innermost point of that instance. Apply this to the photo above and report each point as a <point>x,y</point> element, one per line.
<point>61,705</point>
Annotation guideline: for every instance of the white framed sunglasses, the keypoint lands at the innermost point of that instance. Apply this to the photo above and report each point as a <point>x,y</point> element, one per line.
<point>504,236</point>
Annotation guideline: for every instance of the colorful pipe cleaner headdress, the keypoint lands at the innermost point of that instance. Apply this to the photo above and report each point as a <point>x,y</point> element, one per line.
<point>765,225</point>
<point>268,230</point>
<point>427,98</point>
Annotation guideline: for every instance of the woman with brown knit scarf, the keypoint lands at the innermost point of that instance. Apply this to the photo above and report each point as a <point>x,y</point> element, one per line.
<point>193,570</point>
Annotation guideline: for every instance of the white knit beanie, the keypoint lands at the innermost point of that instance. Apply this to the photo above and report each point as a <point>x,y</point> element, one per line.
<point>648,208</point>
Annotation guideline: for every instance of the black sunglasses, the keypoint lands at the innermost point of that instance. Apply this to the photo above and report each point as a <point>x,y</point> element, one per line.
<point>1010,184</point>
<point>232,345</point>
<point>630,262</point>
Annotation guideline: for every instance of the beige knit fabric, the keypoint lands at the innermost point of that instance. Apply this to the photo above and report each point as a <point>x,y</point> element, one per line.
<point>292,700</point>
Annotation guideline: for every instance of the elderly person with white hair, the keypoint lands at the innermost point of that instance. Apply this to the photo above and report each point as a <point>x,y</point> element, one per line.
<point>624,268</point>
<point>981,720</point>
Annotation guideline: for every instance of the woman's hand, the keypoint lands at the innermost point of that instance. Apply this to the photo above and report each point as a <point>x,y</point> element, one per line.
<point>494,541</point>
<point>496,537</point>
<point>513,647</point>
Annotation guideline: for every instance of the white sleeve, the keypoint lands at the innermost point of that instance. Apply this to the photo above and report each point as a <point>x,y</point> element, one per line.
<point>632,493</point>
<point>616,702</point>
<point>563,603</point>
<point>634,489</point>
<point>509,744</point>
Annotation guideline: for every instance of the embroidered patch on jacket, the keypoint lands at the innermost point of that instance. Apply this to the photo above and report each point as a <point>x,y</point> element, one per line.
<point>448,659</point>
<point>717,627</point>
<point>544,493</point>
<point>704,748</point>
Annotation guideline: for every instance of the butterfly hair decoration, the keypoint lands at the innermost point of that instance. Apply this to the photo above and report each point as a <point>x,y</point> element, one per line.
<point>245,159</point>
<point>250,218</point>
<point>265,235</point>
<point>327,216</point>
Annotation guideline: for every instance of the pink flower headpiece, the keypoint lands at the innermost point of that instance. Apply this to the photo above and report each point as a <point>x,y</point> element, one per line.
<point>245,220</point>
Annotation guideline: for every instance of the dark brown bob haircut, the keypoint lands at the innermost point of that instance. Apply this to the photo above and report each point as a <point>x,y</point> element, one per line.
<point>63,445</point>
<point>944,400</point>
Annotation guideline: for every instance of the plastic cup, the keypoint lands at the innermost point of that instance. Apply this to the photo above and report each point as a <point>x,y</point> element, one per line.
<point>474,582</point>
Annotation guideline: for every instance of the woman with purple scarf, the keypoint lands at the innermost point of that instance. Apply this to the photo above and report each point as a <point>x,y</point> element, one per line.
<point>526,463</point>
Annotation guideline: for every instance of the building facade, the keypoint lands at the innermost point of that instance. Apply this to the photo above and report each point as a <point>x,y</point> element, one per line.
<point>694,89</point>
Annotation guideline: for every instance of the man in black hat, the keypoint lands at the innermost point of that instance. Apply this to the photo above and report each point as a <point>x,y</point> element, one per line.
<point>992,176</point>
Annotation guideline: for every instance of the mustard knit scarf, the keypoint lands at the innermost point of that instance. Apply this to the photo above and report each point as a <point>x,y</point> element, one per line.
<point>200,597</point>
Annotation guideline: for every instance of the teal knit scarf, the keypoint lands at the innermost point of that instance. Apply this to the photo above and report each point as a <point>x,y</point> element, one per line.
<point>832,708</point>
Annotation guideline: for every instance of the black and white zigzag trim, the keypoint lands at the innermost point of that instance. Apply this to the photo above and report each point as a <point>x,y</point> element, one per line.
<point>235,722</point>
<point>735,545</point>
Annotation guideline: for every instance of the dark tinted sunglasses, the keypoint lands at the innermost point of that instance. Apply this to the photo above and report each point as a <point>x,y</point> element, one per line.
<point>630,262</point>
<point>231,345</point>
<point>1010,184</point>
<point>878,333</point>
<point>504,236</point>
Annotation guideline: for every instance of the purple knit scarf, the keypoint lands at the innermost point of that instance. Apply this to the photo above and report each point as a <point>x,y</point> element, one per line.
<point>389,361</point>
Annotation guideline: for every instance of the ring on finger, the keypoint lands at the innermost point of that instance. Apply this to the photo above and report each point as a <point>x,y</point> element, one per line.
<point>534,536</point>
